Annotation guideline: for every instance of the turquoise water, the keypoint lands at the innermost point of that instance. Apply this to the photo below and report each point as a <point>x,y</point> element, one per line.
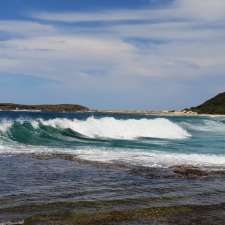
<point>150,141</point>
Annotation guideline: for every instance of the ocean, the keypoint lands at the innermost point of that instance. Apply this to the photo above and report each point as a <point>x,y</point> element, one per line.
<point>52,163</point>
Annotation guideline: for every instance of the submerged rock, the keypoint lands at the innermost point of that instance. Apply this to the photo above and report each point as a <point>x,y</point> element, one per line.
<point>189,171</point>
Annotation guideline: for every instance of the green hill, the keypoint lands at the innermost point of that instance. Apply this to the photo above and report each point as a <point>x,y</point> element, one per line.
<point>43,108</point>
<point>215,105</point>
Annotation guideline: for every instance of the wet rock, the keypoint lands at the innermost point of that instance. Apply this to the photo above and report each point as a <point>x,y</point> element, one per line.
<point>49,156</point>
<point>152,173</point>
<point>189,171</point>
<point>13,223</point>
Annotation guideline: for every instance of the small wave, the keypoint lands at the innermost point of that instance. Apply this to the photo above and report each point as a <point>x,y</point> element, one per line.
<point>206,125</point>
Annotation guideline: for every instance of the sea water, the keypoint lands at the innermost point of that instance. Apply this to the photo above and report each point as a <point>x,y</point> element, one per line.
<point>133,142</point>
<point>146,140</point>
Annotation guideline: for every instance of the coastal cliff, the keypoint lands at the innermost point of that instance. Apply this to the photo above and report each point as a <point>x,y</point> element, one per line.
<point>44,108</point>
<point>215,105</point>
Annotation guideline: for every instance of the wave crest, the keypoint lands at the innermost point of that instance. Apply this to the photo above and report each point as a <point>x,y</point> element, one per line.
<point>109,127</point>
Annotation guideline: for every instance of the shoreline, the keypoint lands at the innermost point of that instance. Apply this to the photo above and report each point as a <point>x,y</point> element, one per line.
<point>156,113</point>
<point>123,112</point>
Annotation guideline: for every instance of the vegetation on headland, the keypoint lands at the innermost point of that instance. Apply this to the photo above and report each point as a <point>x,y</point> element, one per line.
<point>215,105</point>
<point>43,108</point>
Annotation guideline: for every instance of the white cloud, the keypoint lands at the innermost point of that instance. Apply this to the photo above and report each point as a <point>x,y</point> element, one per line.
<point>64,57</point>
<point>209,10</point>
<point>168,31</point>
<point>69,55</point>
<point>25,28</point>
<point>95,16</point>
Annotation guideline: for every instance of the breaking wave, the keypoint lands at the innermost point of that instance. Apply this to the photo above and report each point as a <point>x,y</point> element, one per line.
<point>151,142</point>
<point>108,128</point>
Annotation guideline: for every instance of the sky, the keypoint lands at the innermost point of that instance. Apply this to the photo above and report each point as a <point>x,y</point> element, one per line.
<point>112,54</point>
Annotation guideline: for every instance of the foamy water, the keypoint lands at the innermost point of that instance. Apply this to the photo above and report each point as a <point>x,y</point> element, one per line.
<point>150,142</point>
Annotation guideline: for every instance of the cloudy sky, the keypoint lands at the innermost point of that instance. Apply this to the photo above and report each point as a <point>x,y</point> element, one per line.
<point>127,54</point>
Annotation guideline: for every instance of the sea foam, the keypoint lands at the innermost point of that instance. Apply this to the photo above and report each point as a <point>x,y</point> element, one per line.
<point>152,159</point>
<point>5,125</point>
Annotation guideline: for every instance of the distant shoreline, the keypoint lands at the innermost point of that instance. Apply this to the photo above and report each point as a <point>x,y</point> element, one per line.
<point>122,112</point>
<point>214,107</point>
<point>156,113</point>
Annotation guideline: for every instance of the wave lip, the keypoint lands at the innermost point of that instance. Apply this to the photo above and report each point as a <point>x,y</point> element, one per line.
<point>109,127</point>
<point>5,125</point>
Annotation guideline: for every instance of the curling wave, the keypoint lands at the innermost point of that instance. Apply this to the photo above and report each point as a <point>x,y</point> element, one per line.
<point>108,128</point>
<point>152,142</point>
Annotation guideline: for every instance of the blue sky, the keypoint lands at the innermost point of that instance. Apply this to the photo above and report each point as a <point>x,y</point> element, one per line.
<point>130,54</point>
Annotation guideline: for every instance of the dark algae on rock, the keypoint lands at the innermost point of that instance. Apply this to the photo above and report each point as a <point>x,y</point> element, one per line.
<point>215,105</point>
<point>171,215</point>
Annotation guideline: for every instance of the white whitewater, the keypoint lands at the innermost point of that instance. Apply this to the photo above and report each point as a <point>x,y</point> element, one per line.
<point>151,159</point>
<point>109,127</point>
<point>132,157</point>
